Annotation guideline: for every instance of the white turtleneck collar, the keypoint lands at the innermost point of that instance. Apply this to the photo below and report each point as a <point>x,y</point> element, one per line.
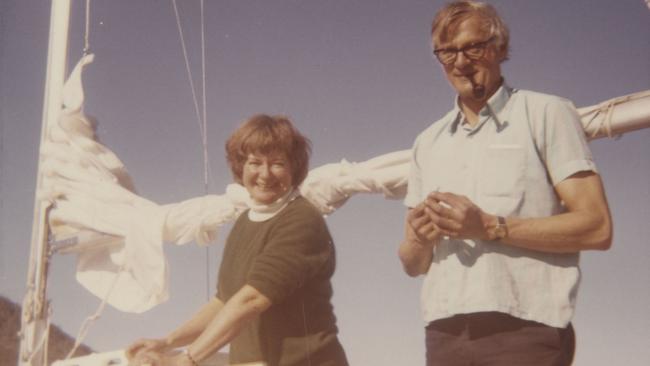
<point>260,212</point>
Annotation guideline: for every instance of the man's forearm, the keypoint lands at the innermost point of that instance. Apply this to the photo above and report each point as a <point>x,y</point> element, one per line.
<point>415,257</point>
<point>564,233</point>
<point>420,236</point>
<point>587,224</point>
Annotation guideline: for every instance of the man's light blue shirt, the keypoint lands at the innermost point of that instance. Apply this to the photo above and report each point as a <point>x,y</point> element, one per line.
<point>524,144</point>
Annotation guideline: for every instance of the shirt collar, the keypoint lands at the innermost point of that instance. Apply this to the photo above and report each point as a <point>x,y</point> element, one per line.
<point>494,106</point>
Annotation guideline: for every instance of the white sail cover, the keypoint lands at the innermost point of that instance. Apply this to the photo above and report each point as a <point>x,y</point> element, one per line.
<point>92,190</point>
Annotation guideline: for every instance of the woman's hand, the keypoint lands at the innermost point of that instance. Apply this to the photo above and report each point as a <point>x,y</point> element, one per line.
<point>145,345</point>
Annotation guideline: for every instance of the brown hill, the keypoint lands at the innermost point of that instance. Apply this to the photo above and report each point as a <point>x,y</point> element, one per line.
<point>59,343</point>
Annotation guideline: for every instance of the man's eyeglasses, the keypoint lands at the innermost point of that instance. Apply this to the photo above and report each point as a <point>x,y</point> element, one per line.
<point>473,51</point>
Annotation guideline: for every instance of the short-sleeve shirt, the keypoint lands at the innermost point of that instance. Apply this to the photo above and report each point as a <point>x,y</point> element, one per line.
<point>524,144</point>
<point>290,259</point>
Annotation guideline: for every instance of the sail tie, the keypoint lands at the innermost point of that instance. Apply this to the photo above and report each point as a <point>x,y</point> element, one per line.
<point>607,109</point>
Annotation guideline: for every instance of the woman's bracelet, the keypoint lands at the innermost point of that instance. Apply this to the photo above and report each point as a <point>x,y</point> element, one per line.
<point>187,354</point>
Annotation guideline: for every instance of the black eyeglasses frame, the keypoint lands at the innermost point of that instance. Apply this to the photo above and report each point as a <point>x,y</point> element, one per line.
<point>479,47</point>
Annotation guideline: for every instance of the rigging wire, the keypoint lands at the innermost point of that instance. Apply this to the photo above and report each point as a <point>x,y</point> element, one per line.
<point>205,115</point>
<point>88,322</point>
<point>87,31</point>
<point>205,144</point>
<point>201,117</point>
<point>187,68</point>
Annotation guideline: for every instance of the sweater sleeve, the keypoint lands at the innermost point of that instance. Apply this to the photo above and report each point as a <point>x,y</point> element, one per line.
<point>299,247</point>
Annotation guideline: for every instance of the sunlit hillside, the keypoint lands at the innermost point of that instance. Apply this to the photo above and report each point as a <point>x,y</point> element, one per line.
<point>59,343</point>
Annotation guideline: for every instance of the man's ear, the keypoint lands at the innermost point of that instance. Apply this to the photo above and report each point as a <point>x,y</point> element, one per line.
<point>502,54</point>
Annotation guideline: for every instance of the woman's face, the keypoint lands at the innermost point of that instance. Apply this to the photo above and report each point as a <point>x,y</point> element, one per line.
<point>267,177</point>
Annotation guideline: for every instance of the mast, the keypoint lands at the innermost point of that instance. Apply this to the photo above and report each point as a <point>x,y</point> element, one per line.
<point>34,328</point>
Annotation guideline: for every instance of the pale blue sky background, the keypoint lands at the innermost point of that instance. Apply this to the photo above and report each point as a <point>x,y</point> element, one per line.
<point>358,78</point>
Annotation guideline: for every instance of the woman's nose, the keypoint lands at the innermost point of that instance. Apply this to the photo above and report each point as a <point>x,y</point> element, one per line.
<point>265,171</point>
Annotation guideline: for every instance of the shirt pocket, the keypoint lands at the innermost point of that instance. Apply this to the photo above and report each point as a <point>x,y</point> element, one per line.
<point>502,177</point>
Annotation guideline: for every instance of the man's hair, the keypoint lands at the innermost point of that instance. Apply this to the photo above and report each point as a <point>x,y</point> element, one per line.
<point>264,134</point>
<point>452,14</point>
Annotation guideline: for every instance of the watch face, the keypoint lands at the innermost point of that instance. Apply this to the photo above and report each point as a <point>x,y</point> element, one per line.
<point>500,232</point>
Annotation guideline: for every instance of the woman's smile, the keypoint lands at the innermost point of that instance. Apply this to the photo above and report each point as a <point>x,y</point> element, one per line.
<point>267,177</point>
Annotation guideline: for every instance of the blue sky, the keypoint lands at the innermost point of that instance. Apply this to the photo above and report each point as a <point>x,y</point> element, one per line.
<point>359,80</point>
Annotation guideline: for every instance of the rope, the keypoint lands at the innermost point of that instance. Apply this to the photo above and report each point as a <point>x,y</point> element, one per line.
<point>206,166</point>
<point>187,68</point>
<point>607,108</point>
<point>201,118</point>
<point>87,323</point>
<point>205,115</point>
<point>87,32</point>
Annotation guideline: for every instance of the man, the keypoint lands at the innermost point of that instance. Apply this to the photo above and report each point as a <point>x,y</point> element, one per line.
<point>503,194</point>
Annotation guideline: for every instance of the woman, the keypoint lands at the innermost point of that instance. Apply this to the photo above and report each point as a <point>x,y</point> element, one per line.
<point>273,297</point>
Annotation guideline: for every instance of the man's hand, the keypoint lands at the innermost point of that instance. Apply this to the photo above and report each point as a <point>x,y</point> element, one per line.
<point>585,225</point>
<point>420,236</point>
<point>458,217</point>
<point>422,229</point>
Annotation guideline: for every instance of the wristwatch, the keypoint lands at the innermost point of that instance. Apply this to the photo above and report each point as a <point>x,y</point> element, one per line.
<point>501,229</point>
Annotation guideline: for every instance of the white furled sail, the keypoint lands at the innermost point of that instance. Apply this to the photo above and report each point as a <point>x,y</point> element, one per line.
<point>91,190</point>
<point>329,186</point>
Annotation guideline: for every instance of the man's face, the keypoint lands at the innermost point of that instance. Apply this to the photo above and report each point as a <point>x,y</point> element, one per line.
<point>474,80</point>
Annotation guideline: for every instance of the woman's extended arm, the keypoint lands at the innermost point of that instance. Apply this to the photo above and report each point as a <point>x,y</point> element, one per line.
<point>182,335</point>
<point>245,305</point>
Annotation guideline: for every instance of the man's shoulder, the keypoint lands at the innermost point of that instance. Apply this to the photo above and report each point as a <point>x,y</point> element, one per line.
<point>544,109</point>
<point>539,98</point>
